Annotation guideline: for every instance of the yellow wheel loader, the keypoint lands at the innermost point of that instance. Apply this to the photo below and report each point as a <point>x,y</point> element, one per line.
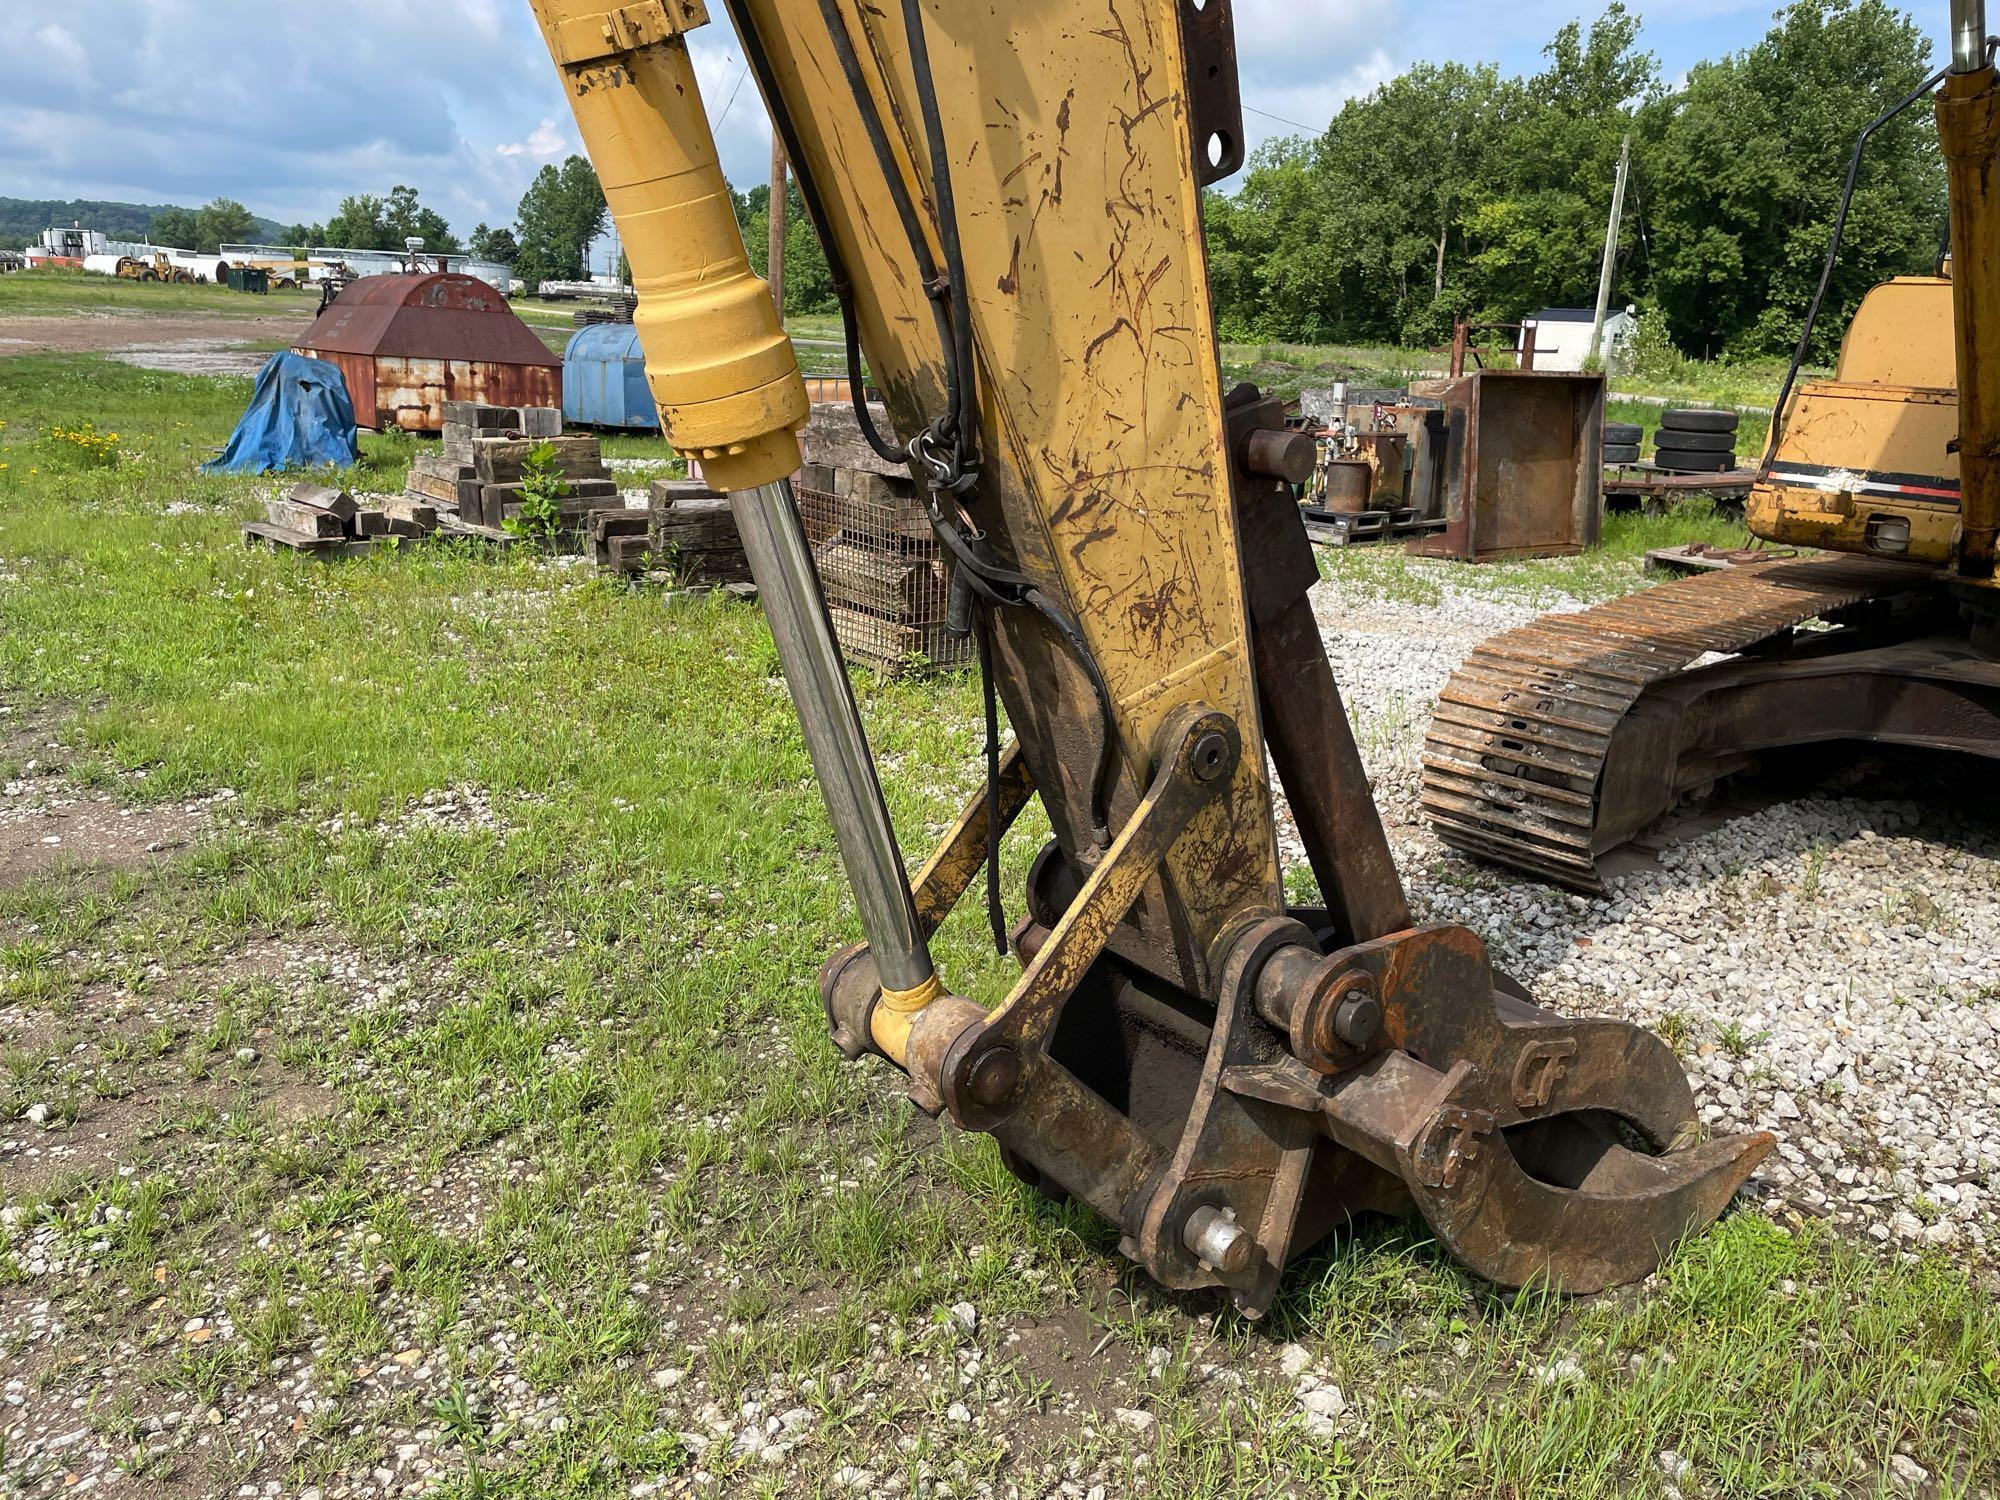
<point>1010,203</point>
<point>1556,743</point>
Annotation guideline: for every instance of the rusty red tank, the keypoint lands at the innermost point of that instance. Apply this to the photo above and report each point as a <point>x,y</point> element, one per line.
<point>407,344</point>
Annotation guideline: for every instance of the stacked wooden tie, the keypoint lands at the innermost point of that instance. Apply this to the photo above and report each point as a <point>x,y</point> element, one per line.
<point>327,521</point>
<point>476,477</point>
<point>686,533</point>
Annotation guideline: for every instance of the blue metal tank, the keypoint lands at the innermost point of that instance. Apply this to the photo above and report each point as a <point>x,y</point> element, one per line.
<point>604,379</point>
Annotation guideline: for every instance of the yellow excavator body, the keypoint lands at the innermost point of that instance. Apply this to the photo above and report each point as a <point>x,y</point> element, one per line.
<point>1867,462</point>
<point>1555,744</point>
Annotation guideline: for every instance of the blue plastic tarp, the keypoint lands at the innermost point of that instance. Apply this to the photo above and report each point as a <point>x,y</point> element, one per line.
<point>299,417</point>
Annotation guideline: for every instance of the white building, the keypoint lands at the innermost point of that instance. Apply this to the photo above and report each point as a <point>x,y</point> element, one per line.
<point>1562,336</point>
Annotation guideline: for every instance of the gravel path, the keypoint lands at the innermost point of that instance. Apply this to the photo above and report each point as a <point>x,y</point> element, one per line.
<point>1822,967</point>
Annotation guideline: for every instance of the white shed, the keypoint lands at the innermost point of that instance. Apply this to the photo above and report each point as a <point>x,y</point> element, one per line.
<point>1562,335</point>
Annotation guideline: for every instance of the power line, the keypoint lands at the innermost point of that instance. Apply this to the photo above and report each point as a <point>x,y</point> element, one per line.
<point>732,94</point>
<point>1308,129</point>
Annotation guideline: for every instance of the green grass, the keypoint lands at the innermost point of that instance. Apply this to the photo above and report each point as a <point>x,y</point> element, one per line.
<point>65,291</point>
<point>1613,568</point>
<point>597,1021</point>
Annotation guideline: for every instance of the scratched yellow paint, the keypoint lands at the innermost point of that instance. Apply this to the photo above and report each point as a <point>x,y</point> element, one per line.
<point>1892,409</point>
<point>1073,170</point>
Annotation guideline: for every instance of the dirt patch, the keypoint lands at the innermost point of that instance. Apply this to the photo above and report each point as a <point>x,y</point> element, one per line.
<point>105,1080</point>
<point>48,822</point>
<point>40,832</point>
<point>107,333</point>
<point>196,357</point>
<point>123,1132</point>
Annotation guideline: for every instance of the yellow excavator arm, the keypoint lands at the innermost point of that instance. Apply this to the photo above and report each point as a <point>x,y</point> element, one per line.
<point>1009,199</point>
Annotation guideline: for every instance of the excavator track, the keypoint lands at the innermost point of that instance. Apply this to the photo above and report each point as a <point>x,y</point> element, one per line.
<point>1513,763</point>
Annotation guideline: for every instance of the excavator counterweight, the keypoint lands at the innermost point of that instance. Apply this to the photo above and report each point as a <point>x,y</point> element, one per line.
<point>1009,199</point>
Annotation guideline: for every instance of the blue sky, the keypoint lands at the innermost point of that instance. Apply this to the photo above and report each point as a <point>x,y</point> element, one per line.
<point>290,107</point>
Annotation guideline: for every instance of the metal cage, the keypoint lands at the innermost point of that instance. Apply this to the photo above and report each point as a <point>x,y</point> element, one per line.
<point>883,574</point>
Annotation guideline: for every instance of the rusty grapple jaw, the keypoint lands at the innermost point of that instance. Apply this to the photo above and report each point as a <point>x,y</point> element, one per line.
<point>1537,1147</point>
<point>1227,1133</point>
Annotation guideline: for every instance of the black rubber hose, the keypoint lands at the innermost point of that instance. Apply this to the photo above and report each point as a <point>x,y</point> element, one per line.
<point>966,414</point>
<point>906,213</point>
<point>986,577</point>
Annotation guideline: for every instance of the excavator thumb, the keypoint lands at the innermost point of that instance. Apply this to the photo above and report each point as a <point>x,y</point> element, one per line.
<point>1537,1147</point>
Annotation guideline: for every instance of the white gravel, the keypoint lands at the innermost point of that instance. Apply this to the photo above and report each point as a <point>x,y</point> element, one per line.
<point>1824,966</point>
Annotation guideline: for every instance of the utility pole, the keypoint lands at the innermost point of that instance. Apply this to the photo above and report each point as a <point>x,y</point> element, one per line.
<point>1610,247</point>
<point>775,262</point>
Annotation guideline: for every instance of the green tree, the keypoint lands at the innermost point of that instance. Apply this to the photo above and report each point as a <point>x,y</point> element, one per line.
<point>405,217</point>
<point>366,222</point>
<point>1748,172</point>
<point>560,214</point>
<point>493,244</point>
<point>360,223</point>
<point>204,230</point>
<point>1539,229</point>
<point>1359,234</point>
<point>223,221</point>
<point>175,228</point>
<point>808,283</point>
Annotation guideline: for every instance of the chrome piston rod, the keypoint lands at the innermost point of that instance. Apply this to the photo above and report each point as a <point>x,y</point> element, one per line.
<point>781,561</point>
<point>1968,35</point>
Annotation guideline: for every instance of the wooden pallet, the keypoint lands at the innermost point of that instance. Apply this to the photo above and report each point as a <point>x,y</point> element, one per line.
<point>1336,528</point>
<point>1628,486</point>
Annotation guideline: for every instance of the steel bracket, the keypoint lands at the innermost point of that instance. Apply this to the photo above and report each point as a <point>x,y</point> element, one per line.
<point>1215,112</point>
<point>622,28</point>
<point>1198,750</point>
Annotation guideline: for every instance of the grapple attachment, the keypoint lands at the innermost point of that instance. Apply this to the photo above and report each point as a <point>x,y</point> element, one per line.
<point>1385,1075</point>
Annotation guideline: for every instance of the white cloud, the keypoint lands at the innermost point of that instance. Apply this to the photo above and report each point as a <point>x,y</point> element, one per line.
<point>543,142</point>
<point>62,50</point>
<point>289,110</point>
<point>181,100</point>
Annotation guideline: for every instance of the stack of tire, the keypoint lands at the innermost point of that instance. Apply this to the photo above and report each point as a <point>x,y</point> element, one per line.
<point>1621,442</point>
<point>1695,440</point>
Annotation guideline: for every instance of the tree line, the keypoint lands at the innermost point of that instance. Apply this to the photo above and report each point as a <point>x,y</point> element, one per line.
<point>1451,191</point>
<point>558,218</point>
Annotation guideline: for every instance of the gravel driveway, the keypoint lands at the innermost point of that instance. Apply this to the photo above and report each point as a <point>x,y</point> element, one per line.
<point>1823,966</point>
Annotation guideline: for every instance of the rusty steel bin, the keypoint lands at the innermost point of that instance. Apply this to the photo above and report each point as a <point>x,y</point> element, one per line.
<point>408,343</point>
<point>1523,467</point>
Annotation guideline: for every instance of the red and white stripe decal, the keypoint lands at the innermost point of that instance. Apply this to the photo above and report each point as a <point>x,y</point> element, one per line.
<point>1865,482</point>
